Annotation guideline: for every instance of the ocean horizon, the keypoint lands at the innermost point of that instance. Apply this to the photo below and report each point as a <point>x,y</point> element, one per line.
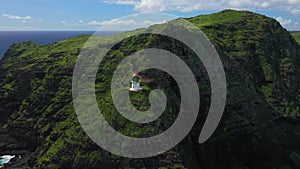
<point>8,38</point>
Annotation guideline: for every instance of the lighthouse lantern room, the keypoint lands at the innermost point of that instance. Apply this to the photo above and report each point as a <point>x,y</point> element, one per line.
<point>135,83</point>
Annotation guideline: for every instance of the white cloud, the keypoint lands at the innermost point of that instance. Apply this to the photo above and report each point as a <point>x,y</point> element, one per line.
<point>292,6</point>
<point>240,3</point>
<point>266,5</point>
<point>282,21</point>
<point>95,23</point>
<point>119,22</point>
<point>190,8</point>
<point>110,22</point>
<point>155,5</point>
<point>295,11</point>
<point>122,2</point>
<point>123,24</point>
<point>288,23</point>
<point>244,4</point>
<point>293,2</point>
<point>151,5</point>
<point>17,17</point>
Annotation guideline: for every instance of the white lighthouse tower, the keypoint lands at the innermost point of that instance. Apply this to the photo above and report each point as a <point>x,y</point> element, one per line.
<point>135,83</point>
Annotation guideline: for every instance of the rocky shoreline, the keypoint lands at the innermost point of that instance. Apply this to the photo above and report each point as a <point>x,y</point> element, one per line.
<point>11,146</point>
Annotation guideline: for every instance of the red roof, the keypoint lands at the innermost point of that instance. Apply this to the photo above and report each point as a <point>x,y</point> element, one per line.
<point>136,75</point>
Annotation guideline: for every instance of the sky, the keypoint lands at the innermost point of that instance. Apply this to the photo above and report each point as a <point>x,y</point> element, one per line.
<point>47,15</point>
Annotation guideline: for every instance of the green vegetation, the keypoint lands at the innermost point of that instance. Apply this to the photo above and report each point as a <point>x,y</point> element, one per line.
<point>220,18</point>
<point>295,159</point>
<point>296,35</point>
<point>262,66</point>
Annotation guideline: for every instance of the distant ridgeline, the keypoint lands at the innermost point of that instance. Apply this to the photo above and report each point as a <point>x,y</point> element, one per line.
<point>260,127</point>
<point>7,38</point>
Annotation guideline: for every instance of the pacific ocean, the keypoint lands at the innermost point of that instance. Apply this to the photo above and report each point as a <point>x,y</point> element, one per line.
<point>7,38</point>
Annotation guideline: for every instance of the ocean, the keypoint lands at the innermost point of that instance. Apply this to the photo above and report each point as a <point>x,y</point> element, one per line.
<point>7,38</point>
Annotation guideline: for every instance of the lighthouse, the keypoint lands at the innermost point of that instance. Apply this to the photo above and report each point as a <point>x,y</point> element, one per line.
<point>135,83</point>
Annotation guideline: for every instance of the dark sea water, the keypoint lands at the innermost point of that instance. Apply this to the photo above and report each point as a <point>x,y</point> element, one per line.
<point>7,38</point>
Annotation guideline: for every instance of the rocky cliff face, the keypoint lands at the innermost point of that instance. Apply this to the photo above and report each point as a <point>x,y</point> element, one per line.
<point>260,127</point>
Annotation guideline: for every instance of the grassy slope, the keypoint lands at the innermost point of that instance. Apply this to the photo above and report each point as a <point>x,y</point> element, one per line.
<point>218,18</point>
<point>246,37</point>
<point>296,35</point>
<point>262,69</point>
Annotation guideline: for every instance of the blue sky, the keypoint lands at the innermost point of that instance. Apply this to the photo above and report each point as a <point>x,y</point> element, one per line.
<point>94,14</point>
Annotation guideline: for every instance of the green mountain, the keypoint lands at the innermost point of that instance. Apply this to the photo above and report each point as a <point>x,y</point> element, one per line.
<point>260,126</point>
<point>296,36</point>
